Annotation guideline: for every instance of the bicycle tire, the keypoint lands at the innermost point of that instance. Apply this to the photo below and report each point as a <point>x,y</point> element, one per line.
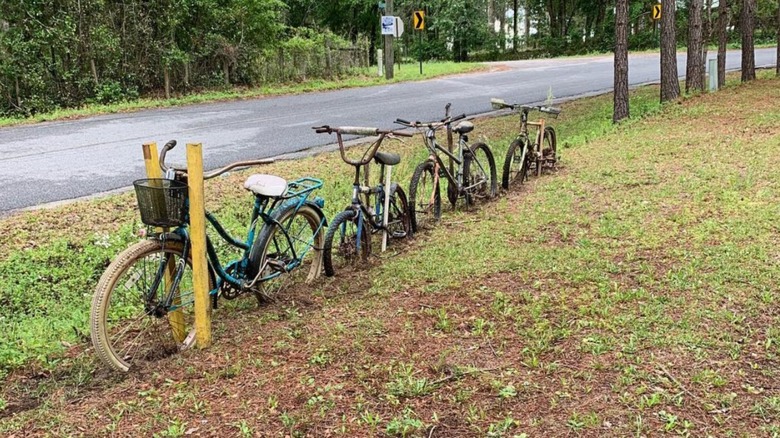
<point>272,245</point>
<point>346,251</point>
<point>399,224</point>
<point>473,174</point>
<point>163,334</point>
<point>550,151</point>
<point>515,160</point>
<point>424,205</point>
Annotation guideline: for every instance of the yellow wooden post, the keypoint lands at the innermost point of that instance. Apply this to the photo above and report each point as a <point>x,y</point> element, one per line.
<point>200,276</point>
<point>175,318</point>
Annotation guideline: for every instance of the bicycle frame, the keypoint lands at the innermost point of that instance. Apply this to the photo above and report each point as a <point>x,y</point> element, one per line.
<point>299,190</point>
<point>540,124</point>
<point>439,167</point>
<point>362,208</point>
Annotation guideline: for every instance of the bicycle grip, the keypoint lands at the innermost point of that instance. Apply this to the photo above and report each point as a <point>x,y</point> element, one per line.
<point>321,129</point>
<point>403,122</point>
<point>170,145</point>
<point>403,134</point>
<point>460,117</point>
<point>358,130</point>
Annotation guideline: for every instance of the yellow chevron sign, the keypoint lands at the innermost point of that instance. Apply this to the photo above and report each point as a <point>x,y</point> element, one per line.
<point>419,20</point>
<point>656,12</point>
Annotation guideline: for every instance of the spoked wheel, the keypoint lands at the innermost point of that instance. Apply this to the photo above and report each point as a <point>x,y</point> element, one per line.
<point>515,164</point>
<point>132,320</point>
<point>424,197</point>
<point>347,242</point>
<point>399,224</point>
<point>549,148</point>
<point>479,169</point>
<point>289,253</point>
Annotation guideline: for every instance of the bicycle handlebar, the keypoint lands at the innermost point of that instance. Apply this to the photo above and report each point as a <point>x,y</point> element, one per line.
<point>499,104</point>
<point>432,125</point>
<point>214,173</point>
<point>358,130</point>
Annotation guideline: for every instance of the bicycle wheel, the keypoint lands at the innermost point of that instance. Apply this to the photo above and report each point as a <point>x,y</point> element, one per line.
<point>288,253</point>
<point>479,169</point>
<point>129,320</point>
<point>399,224</point>
<point>549,147</point>
<point>515,163</point>
<point>342,246</point>
<point>424,197</point>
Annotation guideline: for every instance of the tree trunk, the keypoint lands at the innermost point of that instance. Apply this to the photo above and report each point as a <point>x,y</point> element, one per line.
<point>621,110</point>
<point>502,24</point>
<point>186,74</point>
<point>747,26</point>
<point>670,83</point>
<point>514,25</point>
<point>226,72</point>
<point>778,38</point>
<point>167,78</point>
<point>18,93</point>
<point>93,67</point>
<point>527,22</point>
<point>724,14</point>
<point>694,72</point>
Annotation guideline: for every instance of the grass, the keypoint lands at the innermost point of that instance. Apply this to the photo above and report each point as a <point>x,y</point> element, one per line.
<point>633,292</point>
<point>365,78</point>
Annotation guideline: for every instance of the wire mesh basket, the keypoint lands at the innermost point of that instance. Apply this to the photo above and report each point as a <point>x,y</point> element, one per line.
<point>162,202</point>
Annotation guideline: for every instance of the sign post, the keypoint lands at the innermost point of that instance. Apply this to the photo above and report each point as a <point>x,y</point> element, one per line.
<point>200,276</point>
<point>418,20</point>
<point>388,33</point>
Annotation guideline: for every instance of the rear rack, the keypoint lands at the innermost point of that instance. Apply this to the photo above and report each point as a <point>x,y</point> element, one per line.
<point>301,186</point>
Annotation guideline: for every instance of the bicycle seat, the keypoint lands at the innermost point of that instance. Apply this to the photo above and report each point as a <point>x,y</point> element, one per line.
<point>387,158</point>
<point>266,185</point>
<point>463,128</point>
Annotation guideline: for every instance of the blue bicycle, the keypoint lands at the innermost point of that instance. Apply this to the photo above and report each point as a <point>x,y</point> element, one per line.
<point>142,309</point>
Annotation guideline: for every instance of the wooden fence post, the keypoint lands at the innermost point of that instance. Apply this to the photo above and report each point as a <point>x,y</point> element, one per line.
<point>200,276</point>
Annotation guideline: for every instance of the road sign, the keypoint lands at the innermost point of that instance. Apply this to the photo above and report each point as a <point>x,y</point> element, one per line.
<point>656,12</point>
<point>388,25</point>
<point>399,27</point>
<point>419,20</point>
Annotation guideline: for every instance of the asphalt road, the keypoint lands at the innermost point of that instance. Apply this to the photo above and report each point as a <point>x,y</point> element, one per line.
<point>56,161</point>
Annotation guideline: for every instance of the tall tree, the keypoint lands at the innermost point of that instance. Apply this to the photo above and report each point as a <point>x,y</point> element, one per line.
<point>747,26</point>
<point>694,72</point>
<point>724,15</point>
<point>514,25</point>
<point>670,84</point>
<point>778,38</point>
<point>621,110</point>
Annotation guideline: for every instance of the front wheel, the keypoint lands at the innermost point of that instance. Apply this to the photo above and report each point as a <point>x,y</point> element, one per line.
<point>288,249</point>
<point>424,197</point>
<point>515,163</point>
<point>479,168</point>
<point>134,318</point>
<point>347,242</point>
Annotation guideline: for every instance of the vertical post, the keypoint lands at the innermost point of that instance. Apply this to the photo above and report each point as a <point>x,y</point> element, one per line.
<point>389,58</point>
<point>379,61</point>
<point>421,52</point>
<point>386,213</point>
<point>198,239</point>
<point>153,170</point>
<point>713,74</point>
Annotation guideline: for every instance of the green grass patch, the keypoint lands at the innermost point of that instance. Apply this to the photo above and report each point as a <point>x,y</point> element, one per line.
<point>632,292</point>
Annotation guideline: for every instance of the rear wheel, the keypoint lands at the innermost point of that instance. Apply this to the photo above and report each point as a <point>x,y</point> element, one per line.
<point>347,242</point>
<point>479,169</point>
<point>295,256</point>
<point>515,163</point>
<point>399,224</point>
<point>131,321</point>
<point>424,197</point>
<point>549,147</point>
